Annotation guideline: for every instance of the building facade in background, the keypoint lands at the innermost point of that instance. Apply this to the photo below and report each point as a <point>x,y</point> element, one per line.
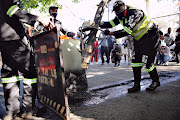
<point>165,13</point>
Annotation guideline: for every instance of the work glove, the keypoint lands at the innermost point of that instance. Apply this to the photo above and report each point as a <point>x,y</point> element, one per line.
<point>46,22</point>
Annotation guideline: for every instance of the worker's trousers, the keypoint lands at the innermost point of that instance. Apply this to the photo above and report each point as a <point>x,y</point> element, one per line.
<point>12,97</point>
<point>17,57</point>
<point>144,54</point>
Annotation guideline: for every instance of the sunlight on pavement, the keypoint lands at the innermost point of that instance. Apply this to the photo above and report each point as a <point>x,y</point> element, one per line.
<point>92,74</point>
<point>89,76</point>
<point>75,117</point>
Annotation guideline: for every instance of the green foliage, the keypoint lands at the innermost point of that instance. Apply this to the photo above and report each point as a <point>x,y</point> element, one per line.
<point>43,5</point>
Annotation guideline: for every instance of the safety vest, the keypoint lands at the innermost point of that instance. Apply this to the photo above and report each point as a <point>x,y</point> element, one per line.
<point>139,30</point>
<point>12,10</point>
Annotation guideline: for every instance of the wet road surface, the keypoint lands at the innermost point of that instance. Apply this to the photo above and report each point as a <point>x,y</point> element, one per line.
<point>117,89</point>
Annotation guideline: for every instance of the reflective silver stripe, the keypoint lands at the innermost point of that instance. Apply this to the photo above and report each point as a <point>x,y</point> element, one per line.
<point>148,26</point>
<point>29,81</point>
<point>112,23</point>
<point>33,81</point>
<point>12,10</point>
<point>9,80</point>
<point>138,25</point>
<point>127,30</point>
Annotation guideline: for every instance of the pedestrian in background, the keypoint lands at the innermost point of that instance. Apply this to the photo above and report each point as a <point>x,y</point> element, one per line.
<point>168,37</point>
<point>116,55</point>
<point>125,49</point>
<point>164,55</point>
<point>95,52</point>
<point>15,51</point>
<point>111,42</point>
<point>177,47</point>
<point>104,49</point>
<point>161,40</point>
<point>146,39</point>
<point>78,36</point>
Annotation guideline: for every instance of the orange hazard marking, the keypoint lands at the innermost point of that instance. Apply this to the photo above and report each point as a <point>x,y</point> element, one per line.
<point>64,37</point>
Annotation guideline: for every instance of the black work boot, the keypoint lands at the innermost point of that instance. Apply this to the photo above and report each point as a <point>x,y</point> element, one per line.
<point>135,88</point>
<point>137,79</point>
<point>155,83</point>
<point>153,86</point>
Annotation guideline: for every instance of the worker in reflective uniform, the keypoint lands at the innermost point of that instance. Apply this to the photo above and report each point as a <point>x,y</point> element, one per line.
<point>16,56</point>
<point>145,35</point>
<point>53,11</point>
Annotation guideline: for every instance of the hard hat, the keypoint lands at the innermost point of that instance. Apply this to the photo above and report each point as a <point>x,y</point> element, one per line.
<point>118,4</point>
<point>163,44</point>
<point>51,7</point>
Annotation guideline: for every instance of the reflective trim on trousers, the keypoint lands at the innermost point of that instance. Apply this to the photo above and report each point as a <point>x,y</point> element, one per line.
<point>30,81</point>
<point>136,64</point>
<point>150,69</point>
<point>9,80</point>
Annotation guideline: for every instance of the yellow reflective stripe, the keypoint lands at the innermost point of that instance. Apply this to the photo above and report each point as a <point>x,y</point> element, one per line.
<point>139,24</point>
<point>9,79</point>
<point>151,69</point>
<point>136,64</point>
<point>34,80</point>
<point>27,25</point>
<point>30,81</point>
<point>66,33</point>
<point>125,28</point>
<point>126,20</point>
<point>112,23</point>
<point>137,35</point>
<point>12,10</point>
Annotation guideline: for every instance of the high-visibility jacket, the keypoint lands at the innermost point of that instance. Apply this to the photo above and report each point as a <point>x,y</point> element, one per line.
<point>11,20</point>
<point>135,23</point>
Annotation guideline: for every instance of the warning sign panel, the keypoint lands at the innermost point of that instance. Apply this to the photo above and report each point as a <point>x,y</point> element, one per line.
<point>51,81</point>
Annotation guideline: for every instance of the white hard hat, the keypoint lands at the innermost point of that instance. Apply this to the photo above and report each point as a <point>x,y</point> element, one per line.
<point>163,44</point>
